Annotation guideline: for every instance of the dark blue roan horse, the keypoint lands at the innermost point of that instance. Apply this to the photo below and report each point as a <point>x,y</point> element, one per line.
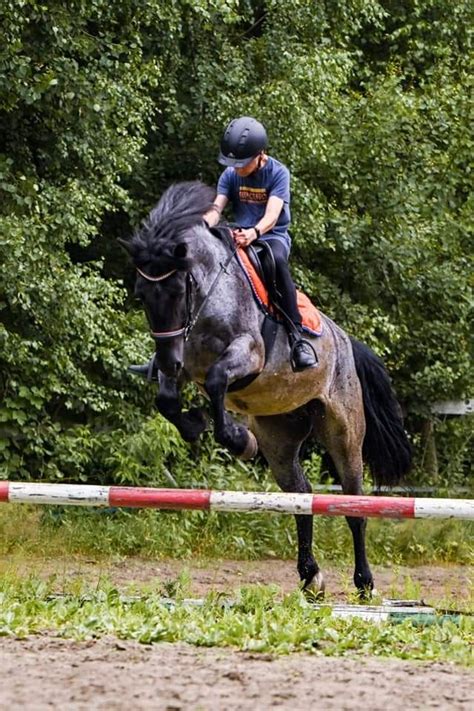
<point>207,328</point>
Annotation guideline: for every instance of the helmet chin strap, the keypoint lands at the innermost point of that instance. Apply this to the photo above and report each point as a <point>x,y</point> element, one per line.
<point>258,166</point>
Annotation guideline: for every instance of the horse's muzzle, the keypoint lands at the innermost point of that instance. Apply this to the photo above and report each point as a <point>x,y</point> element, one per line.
<point>169,356</point>
<point>169,361</point>
<point>173,370</point>
<point>169,366</point>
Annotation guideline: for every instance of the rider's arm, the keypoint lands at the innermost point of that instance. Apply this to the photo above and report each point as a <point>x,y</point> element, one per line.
<point>213,215</point>
<point>244,237</point>
<point>279,195</point>
<point>272,213</point>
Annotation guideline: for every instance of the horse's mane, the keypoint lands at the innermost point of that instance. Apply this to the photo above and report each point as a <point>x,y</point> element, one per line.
<point>180,208</point>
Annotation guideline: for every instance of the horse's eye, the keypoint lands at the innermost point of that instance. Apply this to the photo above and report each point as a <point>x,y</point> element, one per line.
<point>180,251</point>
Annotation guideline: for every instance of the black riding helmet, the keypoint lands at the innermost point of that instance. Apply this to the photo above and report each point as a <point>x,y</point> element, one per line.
<point>243,139</point>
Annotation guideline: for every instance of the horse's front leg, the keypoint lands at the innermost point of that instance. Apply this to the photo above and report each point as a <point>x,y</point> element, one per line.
<point>190,424</point>
<point>241,358</point>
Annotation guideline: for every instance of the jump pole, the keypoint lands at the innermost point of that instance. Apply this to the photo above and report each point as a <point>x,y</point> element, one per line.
<point>397,507</point>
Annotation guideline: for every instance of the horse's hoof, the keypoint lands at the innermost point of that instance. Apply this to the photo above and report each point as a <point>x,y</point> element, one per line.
<point>251,447</point>
<point>366,594</point>
<point>314,590</point>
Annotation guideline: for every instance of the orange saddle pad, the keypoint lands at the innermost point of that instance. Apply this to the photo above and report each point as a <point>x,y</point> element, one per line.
<point>311,318</point>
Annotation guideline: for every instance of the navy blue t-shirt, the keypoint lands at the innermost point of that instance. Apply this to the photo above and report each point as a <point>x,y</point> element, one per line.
<point>249,196</point>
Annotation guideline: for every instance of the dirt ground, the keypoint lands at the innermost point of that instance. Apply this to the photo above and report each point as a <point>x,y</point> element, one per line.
<point>44,672</point>
<point>47,673</point>
<point>431,583</point>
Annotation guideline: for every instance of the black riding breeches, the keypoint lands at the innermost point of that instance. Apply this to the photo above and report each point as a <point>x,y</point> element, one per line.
<point>284,281</point>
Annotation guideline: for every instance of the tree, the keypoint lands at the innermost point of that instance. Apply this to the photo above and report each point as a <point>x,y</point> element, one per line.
<point>103,106</point>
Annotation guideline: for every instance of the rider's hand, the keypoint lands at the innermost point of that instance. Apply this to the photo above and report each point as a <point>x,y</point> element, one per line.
<point>244,237</point>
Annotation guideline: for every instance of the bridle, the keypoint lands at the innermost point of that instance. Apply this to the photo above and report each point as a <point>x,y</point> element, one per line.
<point>190,281</point>
<point>191,318</point>
<point>157,278</point>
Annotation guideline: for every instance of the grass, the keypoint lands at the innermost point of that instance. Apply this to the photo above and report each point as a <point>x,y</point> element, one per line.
<point>260,620</point>
<point>45,539</point>
<point>55,531</point>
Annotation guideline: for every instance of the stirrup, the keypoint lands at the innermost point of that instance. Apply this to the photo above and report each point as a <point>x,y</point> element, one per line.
<point>148,370</point>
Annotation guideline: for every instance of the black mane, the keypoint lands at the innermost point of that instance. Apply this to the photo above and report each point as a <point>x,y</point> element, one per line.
<point>181,207</point>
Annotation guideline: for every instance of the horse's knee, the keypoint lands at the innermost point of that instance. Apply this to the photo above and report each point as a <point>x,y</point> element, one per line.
<point>290,477</point>
<point>215,382</point>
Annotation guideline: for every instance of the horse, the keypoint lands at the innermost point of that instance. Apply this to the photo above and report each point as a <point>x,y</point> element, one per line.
<point>207,329</point>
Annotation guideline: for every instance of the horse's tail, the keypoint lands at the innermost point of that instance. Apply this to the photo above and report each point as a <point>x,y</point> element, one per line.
<point>386,448</point>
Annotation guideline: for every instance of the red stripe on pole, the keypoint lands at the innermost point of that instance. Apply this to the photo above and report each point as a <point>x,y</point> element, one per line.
<point>361,506</point>
<point>159,498</point>
<point>4,487</point>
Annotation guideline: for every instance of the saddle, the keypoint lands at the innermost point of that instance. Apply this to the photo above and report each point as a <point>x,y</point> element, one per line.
<point>260,256</point>
<point>263,261</point>
<point>258,265</point>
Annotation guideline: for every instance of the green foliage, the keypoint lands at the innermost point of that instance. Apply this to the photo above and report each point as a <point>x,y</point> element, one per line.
<point>70,532</point>
<point>103,105</point>
<point>75,97</point>
<point>257,621</point>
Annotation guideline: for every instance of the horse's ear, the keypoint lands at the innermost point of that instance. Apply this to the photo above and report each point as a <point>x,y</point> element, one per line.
<point>128,246</point>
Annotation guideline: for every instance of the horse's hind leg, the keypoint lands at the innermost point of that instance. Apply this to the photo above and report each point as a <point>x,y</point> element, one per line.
<point>343,439</point>
<point>280,438</point>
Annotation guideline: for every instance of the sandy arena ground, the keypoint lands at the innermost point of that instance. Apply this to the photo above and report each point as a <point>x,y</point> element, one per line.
<point>44,672</point>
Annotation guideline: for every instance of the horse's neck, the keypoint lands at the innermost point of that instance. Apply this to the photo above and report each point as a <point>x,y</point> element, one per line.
<point>212,257</point>
<point>223,294</point>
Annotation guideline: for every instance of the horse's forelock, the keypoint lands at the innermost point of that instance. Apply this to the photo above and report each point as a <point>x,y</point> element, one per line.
<point>180,208</point>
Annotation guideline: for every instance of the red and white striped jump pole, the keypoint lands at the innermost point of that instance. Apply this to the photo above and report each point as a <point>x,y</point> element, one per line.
<point>207,500</point>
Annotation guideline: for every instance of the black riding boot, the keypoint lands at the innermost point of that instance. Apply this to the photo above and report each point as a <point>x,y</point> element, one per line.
<point>302,353</point>
<point>147,370</point>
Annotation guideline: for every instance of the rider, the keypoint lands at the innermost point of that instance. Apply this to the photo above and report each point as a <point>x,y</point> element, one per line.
<point>258,187</point>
